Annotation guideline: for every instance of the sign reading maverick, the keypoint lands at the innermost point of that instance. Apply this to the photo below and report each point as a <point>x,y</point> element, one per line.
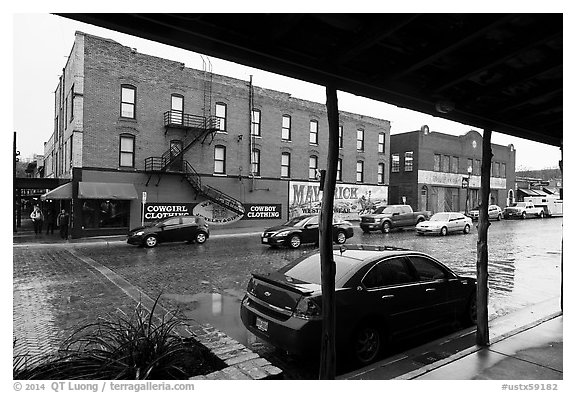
<point>350,200</point>
<point>212,212</point>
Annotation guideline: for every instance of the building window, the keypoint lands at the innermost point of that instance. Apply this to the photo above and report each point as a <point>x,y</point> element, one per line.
<point>285,165</point>
<point>503,170</point>
<point>408,161</point>
<point>496,169</point>
<point>70,144</point>
<point>72,98</point>
<point>176,109</point>
<point>395,162</point>
<point>477,167</point>
<point>360,139</point>
<point>313,167</point>
<point>314,132</point>
<point>340,137</point>
<point>381,142</point>
<point>359,171</point>
<point>221,116</point>
<point>100,213</point>
<point>339,170</point>
<point>286,128</point>
<point>454,164</point>
<point>437,162</point>
<point>470,165</point>
<point>256,125</point>
<point>381,173</point>
<point>220,159</point>
<point>256,162</point>
<point>127,143</point>
<point>445,164</point>
<point>128,102</point>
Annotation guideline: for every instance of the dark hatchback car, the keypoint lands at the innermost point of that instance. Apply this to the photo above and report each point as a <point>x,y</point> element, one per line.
<point>172,229</point>
<point>305,229</point>
<point>381,293</point>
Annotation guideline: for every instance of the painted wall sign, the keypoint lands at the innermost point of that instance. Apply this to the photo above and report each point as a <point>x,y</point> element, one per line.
<point>350,200</point>
<point>262,211</point>
<point>455,179</point>
<point>215,214</point>
<point>157,210</point>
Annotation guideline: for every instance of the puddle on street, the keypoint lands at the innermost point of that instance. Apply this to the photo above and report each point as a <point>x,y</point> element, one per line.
<point>219,310</point>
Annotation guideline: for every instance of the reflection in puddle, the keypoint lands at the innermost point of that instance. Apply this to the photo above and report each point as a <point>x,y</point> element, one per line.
<point>219,310</point>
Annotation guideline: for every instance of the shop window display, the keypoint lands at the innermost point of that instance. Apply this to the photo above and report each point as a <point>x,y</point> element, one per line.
<point>98,213</point>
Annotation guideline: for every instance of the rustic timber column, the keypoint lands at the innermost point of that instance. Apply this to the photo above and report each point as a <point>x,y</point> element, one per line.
<point>328,268</point>
<point>482,334</point>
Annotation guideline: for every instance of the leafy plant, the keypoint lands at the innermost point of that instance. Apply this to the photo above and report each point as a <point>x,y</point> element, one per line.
<point>138,347</point>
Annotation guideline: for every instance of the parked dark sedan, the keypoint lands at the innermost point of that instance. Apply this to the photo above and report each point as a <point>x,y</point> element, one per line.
<point>304,229</point>
<point>172,229</point>
<point>381,293</point>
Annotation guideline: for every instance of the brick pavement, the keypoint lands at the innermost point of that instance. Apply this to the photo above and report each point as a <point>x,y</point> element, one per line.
<point>57,289</point>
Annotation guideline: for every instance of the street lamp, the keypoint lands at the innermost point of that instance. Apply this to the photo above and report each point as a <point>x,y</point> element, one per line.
<point>468,188</point>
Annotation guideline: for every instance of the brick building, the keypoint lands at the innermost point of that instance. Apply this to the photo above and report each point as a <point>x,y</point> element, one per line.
<point>429,169</point>
<point>132,128</point>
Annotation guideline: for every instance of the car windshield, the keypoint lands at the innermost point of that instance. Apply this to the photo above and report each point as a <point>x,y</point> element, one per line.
<point>296,222</point>
<point>440,217</point>
<point>519,204</point>
<point>308,270</point>
<point>384,209</point>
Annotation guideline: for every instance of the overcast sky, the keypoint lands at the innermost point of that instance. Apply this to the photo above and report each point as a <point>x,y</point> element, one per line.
<point>42,43</point>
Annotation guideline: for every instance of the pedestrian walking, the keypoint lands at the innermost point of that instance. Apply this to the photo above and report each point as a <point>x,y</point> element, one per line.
<point>50,220</point>
<point>62,221</point>
<point>37,219</point>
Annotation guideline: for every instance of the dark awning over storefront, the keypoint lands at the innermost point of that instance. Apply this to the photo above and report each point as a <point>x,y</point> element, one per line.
<point>91,190</point>
<point>532,192</point>
<point>62,192</point>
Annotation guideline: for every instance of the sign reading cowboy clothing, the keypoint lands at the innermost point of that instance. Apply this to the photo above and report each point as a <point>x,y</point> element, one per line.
<point>350,200</point>
<point>212,212</point>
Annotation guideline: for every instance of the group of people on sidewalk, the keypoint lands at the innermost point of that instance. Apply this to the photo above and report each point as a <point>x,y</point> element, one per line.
<point>61,221</point>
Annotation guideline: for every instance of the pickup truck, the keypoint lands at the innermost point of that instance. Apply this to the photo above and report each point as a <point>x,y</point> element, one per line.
<point>523,210</point>
<point>388,217</point>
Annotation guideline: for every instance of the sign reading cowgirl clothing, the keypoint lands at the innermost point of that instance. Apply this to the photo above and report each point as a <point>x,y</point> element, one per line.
<point>212,212</point>
<point>350,200</point>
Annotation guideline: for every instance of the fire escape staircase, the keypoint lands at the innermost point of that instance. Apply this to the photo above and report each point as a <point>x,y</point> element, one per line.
<point>172,160</point>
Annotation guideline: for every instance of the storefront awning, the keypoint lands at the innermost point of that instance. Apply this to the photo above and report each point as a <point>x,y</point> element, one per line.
<point>91,190</point>
<point>62,192</point>
<point>532,192</point>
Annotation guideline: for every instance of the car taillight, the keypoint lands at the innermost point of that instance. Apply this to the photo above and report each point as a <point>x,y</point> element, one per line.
<point>307,309</point>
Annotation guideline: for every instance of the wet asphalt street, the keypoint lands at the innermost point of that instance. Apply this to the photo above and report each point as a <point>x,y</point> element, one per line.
<point>206,282</point>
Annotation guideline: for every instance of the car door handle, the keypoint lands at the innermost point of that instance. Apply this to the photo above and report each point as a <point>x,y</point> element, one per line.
<point>387,296</point>
<point>430,289</point>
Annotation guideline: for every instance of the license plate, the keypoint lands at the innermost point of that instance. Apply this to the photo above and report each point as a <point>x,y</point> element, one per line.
<point>261,324</point>
<point>264,240</point>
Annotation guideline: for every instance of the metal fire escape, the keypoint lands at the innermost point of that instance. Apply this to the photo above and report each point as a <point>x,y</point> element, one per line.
<point>198,129</point>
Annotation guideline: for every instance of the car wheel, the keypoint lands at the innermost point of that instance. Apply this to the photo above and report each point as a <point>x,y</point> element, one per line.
<point>385,227</point>
<point>467,229</point>
<point>443,231</point>
<point>340,237</point>
<point>294,241</point>
<point>541,215</point>
<point>151,241</point>
<point>366,344</point>
<point>523,215</point>
<point>201,238</point>
<point>499,217</point>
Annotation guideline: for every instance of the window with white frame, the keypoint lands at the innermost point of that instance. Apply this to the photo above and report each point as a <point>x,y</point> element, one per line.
<point>408,161</point>
<point>177,109</point>
<point>314,132</point>
<point>285,165</point>
<point>127,143</point>
<point>128,101</point>
<point>339,170</point>
<point>221,109</point>
<point>360,139</point>
<point>381,142</point>
<point>312,167</point>
<point>395,162</point>
<point>256,162</point>
<point>286,128</point>
<point>220,159</point>
<point>255,130</point>
<point>381,173</point>
<point>359,171</point>
<point>340,137</point>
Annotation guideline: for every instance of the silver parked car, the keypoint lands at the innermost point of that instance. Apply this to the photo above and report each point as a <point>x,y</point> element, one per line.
<point>494,213</point>
<point>443,223</point>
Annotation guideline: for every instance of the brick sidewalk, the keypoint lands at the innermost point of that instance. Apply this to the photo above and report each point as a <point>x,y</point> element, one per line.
<point>58,289</point>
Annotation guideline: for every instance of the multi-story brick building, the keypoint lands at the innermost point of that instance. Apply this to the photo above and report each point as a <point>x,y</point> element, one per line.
<point>132,128</point>
<point>430,171</point>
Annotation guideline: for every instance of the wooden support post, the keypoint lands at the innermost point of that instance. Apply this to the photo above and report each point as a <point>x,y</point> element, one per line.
<point>482,334</point>
<point>328,268</point>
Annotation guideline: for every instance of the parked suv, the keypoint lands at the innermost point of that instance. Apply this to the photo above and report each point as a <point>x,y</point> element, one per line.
<point>171,229</point>
<point>494,213</point>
